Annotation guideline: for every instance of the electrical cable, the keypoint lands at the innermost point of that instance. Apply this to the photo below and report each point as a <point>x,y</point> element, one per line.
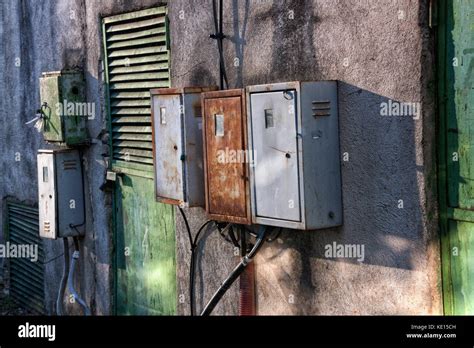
<point>273,238</point>
<point>188,229</point>
<point>219,36</point>
<point>193,246</point>
<point>62,286</point>
<point>53,258</point>
<point>191,264</point>
<point>234,275</point>
<point>233,238</point>
<point>70,279</point>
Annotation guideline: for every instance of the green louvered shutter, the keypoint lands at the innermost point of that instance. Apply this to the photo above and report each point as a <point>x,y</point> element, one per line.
<point>137,59</point>
<point>26,277</point>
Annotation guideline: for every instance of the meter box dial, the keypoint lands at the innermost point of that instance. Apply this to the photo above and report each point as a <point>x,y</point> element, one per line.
<point>177,145</point>
<point>64,108</point>
<point>293,131</point>
<point>61,193</point>
<point>226,157</point>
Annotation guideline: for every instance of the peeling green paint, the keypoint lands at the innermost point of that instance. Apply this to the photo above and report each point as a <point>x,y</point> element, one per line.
<point>456,154</point>
<point>145,254</point>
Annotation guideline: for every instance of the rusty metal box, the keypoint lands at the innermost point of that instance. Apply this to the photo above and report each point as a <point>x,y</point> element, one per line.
<point>64,107</point>
<point>177,145</point>
<point>60,193</point>
<point>226,156</point>
<point>293,132</point>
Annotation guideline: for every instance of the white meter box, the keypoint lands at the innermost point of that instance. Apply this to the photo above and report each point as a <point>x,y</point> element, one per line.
<point>61,193</point>
<point>293,134</point>
<point>177,145</point>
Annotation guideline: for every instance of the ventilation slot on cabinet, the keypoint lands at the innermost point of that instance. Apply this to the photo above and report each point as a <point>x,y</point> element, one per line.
<point>46,227</point>
<point>321,108</point>
<point>69,164</point>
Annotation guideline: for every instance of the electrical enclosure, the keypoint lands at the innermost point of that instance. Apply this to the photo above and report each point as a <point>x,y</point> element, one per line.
<point>295,178</point>
<point>225,156</point>
<point>65,111</point>
<point>61,193</point>
<point>177,145</point>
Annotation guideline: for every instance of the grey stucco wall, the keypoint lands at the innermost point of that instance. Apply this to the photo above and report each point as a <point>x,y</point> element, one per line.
<point>48,36</point>
<point>378,50</point>
<point>374,50</point>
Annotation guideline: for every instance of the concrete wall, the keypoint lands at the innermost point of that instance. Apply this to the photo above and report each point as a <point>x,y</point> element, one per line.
<point>379,50</point>
<point>48,36</point>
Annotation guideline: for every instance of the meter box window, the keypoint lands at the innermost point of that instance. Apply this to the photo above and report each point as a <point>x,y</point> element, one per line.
<point>177,145</point>
<point>63,107</point>
<point>294,133</point>
<point>225,156</point>
<point>61,193</point>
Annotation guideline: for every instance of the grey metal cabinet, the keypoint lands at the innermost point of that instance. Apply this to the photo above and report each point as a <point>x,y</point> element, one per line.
<point>177,145</point>
<point>293,133</point>
<point>61,193</point>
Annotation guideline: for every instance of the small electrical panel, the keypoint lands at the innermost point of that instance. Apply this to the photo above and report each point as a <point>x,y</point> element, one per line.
<point>294,133</point>
<point>226,156</point>
<point>272,155</point>
<point>61,193</point>
<point>64,109</point>
<point>177,145</point>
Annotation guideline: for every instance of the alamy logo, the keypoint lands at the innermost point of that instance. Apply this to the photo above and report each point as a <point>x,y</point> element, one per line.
<point>37,331</point>
<point>394,108</point>
<point>24,251</point>
<point>67,108</point>
<point>345,251</point>
<point>237,156</point>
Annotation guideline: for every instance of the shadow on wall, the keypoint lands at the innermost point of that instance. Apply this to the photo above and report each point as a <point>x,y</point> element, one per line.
<point>239,38</point>
<point>383,221</point>
<point>382,210</point>
<point>297,34</point>
<point>382,181</point>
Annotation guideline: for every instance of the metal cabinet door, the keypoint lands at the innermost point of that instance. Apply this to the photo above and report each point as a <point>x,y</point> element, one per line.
<point>50,94</point>
<point>70,193</point>
<point>168,147</point>
<point>226,175</point>
<point>273,125</point>
<point>47,196</point>
<point>194,168</point>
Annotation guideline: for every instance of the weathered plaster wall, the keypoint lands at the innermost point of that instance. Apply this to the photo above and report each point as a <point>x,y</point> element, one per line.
<point>48,36</point>
<point>376,51</point>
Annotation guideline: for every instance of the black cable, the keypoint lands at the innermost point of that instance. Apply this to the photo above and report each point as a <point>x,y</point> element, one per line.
<point>219,36</point>
<point>193,263</point>
<point>233,238</point>
<point>235,274</point>
<point>193,246</point>
<point>188,229</point>
<point>200,230</point>
<point>191,242</point>
<point>76,243</point>
<point>273,238</point>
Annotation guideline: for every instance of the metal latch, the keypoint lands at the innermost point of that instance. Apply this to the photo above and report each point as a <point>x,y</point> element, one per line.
<point>111,176</point>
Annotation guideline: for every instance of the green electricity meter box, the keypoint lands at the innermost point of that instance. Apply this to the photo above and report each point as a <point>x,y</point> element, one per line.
<point>63,107</point>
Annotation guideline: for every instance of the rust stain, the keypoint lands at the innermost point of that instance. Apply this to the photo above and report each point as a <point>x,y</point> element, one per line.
<point>227,187</point>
